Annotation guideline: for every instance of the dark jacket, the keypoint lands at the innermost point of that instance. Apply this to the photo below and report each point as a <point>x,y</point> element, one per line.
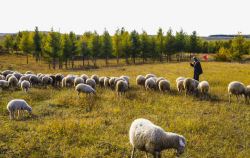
<point>197,67</point>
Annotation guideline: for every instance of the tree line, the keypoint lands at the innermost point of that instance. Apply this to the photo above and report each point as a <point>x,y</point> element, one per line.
<point>62,49</point>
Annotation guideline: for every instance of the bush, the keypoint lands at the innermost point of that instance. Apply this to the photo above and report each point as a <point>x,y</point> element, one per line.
<point>223,54</point>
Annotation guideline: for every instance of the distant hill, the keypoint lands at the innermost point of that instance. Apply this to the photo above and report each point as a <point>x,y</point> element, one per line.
<point>223,37</point>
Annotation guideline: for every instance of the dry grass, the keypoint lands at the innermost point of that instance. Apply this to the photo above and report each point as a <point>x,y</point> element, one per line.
<point>67,126</point>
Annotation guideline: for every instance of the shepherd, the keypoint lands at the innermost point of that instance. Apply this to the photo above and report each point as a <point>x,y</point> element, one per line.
<point>197,68</point>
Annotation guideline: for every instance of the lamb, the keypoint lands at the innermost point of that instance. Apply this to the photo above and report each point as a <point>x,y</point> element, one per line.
<point>25,85</point>
<point>101,81</point>
<point>46,80</point>
<point>18,105</point>
<point>53,79</point>
<point>125,78</point>
<point>149,75</point>
<point>17,75</point>
<point>180,78</point>
<point>34,80</point>
<point>190,85</point>
<point>24,78</point>
<point>78,80</point>
<point>150,84</point>
<point>145,136</point>
<point>179,84</point>
<point>84,77</point>
<point>112,82</point>
<point>158,80</point>
<point>236,88</point>
<point>4,84</point>
<point>121,87</point>
<point>140,80</point>
<point>13,82</point>
<point>96,78</point>
<point>164,85</point>
<point>8,76</point>
<point>91,82</point>
<point>68,81</point>
<point>84,88</point>
<point>58,79</point>
<point>203,88</point>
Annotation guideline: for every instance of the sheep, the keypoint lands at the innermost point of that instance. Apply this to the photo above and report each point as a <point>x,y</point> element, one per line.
<point>96,78</point>
<point>34,80</point>
<point>84,77</point>
<point>58,79</point>
<point>148,137</point>
<point>164,85</point>
<point>68,81</point>
<point>121,87</point>
<point>84,88</point>
<point>17,75</point>
<point>179,84</point>
<point>140,80</point>
<point>28,72</point>
<point>190,85</point>
<point>18,105</point>
<point>25,85</point>
<point>149,75</point>
<point>13,82</point>
<point>203,89</point>
<point>158,80</point>
<point>112,82</point>
<point>2,77</point>
<point>106,82</point>
<point>125,78</point>
<point>91,82</point>
<point>247,92</point>
<point>101,81</point>
<point>150,84</point>
<point>180,78</point>
<point>7,72</point>
<point>78,80</point>
<point>4,84</point>
<point>53,79</point>
<point>47,80</point>
<point>8,76</point>
<point>236,88</point>
<point>24,78</point>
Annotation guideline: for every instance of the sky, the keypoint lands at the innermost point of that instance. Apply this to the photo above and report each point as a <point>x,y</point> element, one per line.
<point>205,16</point>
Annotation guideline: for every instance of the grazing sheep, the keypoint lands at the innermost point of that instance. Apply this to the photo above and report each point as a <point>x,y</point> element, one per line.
<point>149,75</point>
<point>46,80</point>
<point>145,136</point>
<point>179,84</point>
<point>106,82</point>
<point>101,81</point>
<point>121,87</point>
<point>96,78</point>
<point>140,80</point>
<point>84,88</point>
<point>53,79</point>
<point>180,78</point>
<point>8,76</point>
<point>18,105</point>
<point>112,82</point>
<point>78,80</point>
<point>4,84</point>
<point>13,82</point>
<point>84,77</point>
<point>125,78</point>
<point>7,72</point>
<point>34,80</point>
<point>25,85</point>
<point>68,81</point>
<point>190,85</point>
<point>150,84</point>
<point>158,80</point>
<point>24,78</point>
<point>203,88</point>
<point>164,85</point>
<point>91,82</point>
<point>236,88</point>
<point>17,75</point>
<point>58,79</point>
<point>2,77</point>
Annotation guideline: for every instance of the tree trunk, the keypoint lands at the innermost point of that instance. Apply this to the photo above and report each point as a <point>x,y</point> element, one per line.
<point>27,58</point>
<point>106,60</point>
<point>117,59</point>
<point>83,60</point>
<point>54,63</point>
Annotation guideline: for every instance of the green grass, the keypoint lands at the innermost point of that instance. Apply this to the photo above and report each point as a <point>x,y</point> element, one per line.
<point>65,125</point>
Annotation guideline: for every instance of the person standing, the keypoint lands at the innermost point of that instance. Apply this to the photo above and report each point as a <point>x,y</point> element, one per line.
<point>197,68</point>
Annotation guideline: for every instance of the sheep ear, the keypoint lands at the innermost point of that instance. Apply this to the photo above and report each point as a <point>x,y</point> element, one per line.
<point>181,142</point>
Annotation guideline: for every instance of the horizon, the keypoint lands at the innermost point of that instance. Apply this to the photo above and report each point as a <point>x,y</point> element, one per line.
<point>206,18</point>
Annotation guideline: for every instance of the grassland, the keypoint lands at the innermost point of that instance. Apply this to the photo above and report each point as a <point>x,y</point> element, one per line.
<point>67,126</point>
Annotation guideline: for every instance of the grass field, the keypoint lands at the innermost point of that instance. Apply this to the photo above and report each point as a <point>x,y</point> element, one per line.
<point>67,126</point>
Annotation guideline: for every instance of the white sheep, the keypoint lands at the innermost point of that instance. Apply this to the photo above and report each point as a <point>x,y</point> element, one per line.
<point>8,76</point>
<point>34,80</point>
<point>150,84</point>
<point>25,85</point>
<point>125,78</point>
<point>203,89</point>
<point>4,84</point>
<point>47,80</point>
<point>149,75</point>
<point>59,78</point>
<point>180,85</point>
<point>84,88</point>
<point>112,82</point>
<point>164,85</point>
<point>121,87</point>
<point>106,82</point>
<point>140,80</point>
<point>180,78</point>
<point>13,82</point>
<point>158,80</point>
<point>78,80</point>
<point>145,136</point>
<point>190,85</point>
<point>68,81</point>
<point>84,77</point>
<point>101,81</point>
<point>6,72</point>
<point>236,88</point>
<point>2,77</point>
<point>17,75</point>
<point>91,82</point>
<point>18,105</point>
<point>96,78</point>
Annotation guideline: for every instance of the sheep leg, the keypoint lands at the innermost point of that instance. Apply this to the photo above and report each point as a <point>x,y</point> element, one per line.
<point>12,115</point>
<point>237,98</point>
<point>133,152</point>
<point>229,98</point>
<point>18,112</point>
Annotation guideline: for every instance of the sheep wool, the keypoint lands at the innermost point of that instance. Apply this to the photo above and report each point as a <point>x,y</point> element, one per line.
<point>164,85</point>
<point>17,105</point>
<point>145,136</point>
<point>121,87</point>
<point>78,80</point>
<point>84,88</point>
<point>25,85</point>
<point>150,84</point>
<point>140,80</point>
<point>236,88</point>
<point>91,82</point>
<point>13,82</point>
